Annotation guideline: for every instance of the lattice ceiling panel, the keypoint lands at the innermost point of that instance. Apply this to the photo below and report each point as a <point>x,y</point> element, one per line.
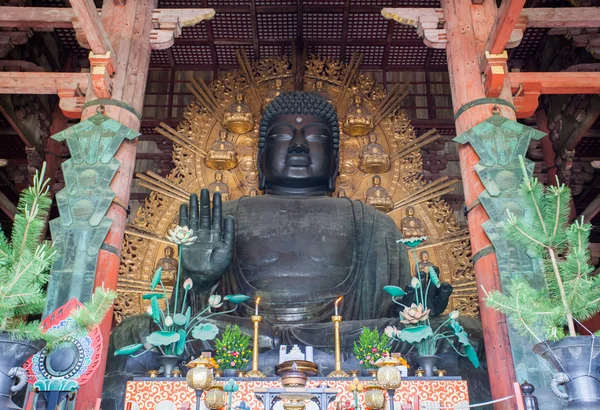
<point>373,55</point>
<point>367,26</point>
<point>418,3</point>
<point>530,42</point>
<point>323,26</point>
<point>277,26</point>
<point>325,51</point>
<point>67,37</point>
<point>274,51</point>
<point>275,2</point>
<point>195,32</point>
<point>213,3</point>
<point>319,2</point>
<point>232,25</point>
<point>226,54</point>
<point>192,54</point>
<point>409,56</point>
<point>382,3</point>
<point>438,57</point>
<point>402,32</point>
<point>159,57</point>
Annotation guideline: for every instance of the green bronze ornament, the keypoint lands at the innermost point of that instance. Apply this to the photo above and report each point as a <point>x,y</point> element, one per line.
<point>500,143</point>
<point>82,226</point>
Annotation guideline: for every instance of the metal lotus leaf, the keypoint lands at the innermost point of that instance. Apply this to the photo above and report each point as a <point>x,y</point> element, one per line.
<point>61,385</point>
<point>499,140</point>
<point>394,291</point>
<point>127,350</point>
<point>180,319</point>
<point>205,331</point>
<point>162,338</point>
<point>415,334</point>
<point>148,296</point>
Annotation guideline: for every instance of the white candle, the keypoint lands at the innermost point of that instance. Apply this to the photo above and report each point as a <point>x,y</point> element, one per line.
<point>256,306</point>
<point>309,354</point>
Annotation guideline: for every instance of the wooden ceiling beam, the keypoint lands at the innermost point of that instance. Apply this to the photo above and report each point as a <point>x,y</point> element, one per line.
<point>506,20</point>
<point>558,83</point>
<point>88,20</point>
<point>562,17</point>
<point>41,18</point>
<point>8,207</point>
<point>41,83</point>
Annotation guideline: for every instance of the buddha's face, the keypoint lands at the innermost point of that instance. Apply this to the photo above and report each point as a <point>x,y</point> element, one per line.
<point>410,211</point>
<point>169,252</point>
<point>298,153</point>
<point>425,256</point>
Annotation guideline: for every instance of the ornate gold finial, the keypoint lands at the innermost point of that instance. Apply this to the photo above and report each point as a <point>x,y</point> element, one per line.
<point>238,118</point>
<point>221,154</point>
<point>378,196</point>
<point>373,158</point>
<point>219,185</point>
<point>411,226</point>
<point>358,119</point>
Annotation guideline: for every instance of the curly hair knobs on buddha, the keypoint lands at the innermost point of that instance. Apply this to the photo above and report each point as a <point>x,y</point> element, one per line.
<point>299,103</point>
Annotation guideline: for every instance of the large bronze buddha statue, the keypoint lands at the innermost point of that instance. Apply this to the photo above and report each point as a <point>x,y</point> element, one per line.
<point>296,247</point>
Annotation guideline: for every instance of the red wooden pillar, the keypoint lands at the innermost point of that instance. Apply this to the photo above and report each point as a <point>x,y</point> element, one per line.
<point>128,27</point>
<point>466,26</point>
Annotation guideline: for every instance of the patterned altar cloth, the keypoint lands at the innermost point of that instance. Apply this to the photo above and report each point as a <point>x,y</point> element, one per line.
<point>162,394</point>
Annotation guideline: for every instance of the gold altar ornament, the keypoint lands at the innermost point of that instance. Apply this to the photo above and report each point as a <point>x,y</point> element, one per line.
<point>401,186</point>
<point>388,375</point>
<point>200,376</point>
<point>358,119</point>
<point>238,118</point>
<point>215,398</point>
<point>374,397</point>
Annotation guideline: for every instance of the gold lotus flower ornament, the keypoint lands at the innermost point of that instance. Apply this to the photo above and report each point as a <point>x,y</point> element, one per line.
<point>414,314</point>
<point>181,235</point>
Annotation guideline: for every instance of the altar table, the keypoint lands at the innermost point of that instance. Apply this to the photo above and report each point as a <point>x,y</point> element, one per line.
<point>174,394</point>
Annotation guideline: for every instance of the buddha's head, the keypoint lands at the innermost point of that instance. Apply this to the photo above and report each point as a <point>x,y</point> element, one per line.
<point>298,145</point>
<point>376,180</point>
<point>372,138</point>
<point>219,177</point>
<point>169,252</point>
<point>424,256</point>
<point>223,135</point>
<point>410,211</point>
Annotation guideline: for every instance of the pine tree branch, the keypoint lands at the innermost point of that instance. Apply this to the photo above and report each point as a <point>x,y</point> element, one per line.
<point>561,287</point>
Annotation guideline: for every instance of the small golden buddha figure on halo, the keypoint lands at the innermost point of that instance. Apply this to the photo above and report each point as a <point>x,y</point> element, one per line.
<point>358,120</point>
<point>411,226</point>
<point>274,93</point>
<point>219,185</point>
<point>424,262</point>
<point>378,196</point>
<point>373,158</point>
<point>221,154</point>
<point>342,193</point>
<point>253,192</point>
<point>320,89</point>
<point>238,118</point>
<point>169,266</point>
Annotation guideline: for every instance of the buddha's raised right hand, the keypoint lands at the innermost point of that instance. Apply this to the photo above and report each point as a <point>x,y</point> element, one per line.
<point>208,258</point>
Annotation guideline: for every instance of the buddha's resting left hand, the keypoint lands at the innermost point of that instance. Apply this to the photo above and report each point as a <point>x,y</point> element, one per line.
<point>209,257</point>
